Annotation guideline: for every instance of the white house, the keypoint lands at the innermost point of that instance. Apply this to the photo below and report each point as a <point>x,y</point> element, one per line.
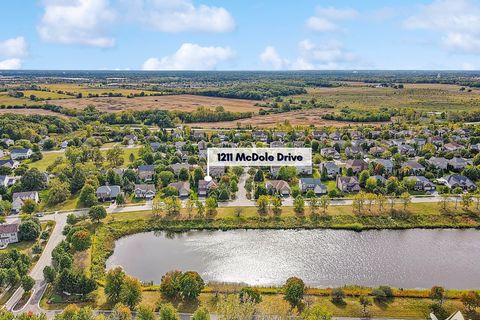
<point>20,154</point>
<point>8,234</point>
<point>19,197</point>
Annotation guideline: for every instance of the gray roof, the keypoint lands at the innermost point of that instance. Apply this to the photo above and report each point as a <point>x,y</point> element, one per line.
<point>112,191</point>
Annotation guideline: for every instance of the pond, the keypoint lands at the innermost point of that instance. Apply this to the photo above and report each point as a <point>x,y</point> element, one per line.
<point>401,258</point>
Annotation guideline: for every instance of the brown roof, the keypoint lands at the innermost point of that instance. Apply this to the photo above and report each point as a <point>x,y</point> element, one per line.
<point>9,228</point>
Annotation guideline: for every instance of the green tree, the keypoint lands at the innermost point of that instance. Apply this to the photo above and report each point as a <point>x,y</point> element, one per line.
<point>131,292</point>
<point>211,206</point>
<point>58,192</point>
<point>88,195</point>
<point>27,283</point>
<point>316,312</point>
<point>81,240</point>
<point>113,284</point>
<point>191,284</point>
<point>28,230</point>
<point>437,294</point>
<point>29,206</point>
<point>249,294</point>
<point>49,274</point>
<point>164,178</point>
<point>314,204</point>
<point>170,284</point>
<point>471,301</point>
<point>276,206</point>
<point>145,312</point>
<point>406,200</point>
<point>115,156</point>
<point>168,312</point>
<point>294,290</point>
<point>324,203</point>
<point>365,302</point>
<point>263,205</point>
<point>33,180</point>
<point>338,296</point>
<point>97,213</point>
<point>120,312</point>
<point>201,314</point>
<point>299,206</point>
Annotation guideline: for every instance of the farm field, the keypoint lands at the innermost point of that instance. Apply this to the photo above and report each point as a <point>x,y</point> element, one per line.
<point>6,100</point>
<point>170,102</point>
<point>427,97</point>
<point>32,111</point>
<point>299,117</point>
<point>86,90</point>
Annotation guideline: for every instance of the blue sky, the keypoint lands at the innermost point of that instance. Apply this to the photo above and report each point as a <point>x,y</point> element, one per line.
<point>240,35</point>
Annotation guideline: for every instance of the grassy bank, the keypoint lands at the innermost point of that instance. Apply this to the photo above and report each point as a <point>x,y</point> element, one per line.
<point>422,215</point>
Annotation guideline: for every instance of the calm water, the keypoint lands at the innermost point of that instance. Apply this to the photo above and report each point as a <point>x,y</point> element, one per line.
<point>410,258</point>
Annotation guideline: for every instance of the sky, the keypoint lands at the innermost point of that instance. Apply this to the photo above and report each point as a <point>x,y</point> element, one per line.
<point>240,35</point>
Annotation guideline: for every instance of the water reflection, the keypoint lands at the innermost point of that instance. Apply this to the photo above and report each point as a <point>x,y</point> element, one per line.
<point>401,258</point>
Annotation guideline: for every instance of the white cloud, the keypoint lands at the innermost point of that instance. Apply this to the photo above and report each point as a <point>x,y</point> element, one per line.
<point>77,22</point>
<point>458,22</point>
<point>270,57</point>
<point>311,56</point>
<point>326,18</point>
<point>11,64</point>
<point>183,16</point>
<point>15,47</point>
<point>191,56</point>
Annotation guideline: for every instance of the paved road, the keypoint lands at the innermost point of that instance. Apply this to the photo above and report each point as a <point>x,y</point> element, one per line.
<point>37,271</point>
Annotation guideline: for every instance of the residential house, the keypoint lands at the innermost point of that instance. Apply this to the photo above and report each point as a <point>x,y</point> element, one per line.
<point>330,153</point>
<point>376,151</point>
<point>131,139</point>
<point>177,167</point>
<point>155,145</point>
<point>357,165</point>
<point>278,186</point>
<point>335,136</point>
<point>7,142</point>
<point>458,164</point>
<point>217,171</point>
<point>422,183</point>
<point>198,134</point>
<point>415,167</point>
<point>18,199</point>
<point>348,184</point>
<point>380,179</point>
<point>276,144</point>
<point>331,169</point>
<point>146,191</point>
<point>305,170</point>
<point>260,136</point>
<point>316,185</point>
<point>179,145</point>
<point>105,193</point>
<point>407,150</point>
<point>146,172</point>
<point>4,181</point>
<point>20,154</point>
<point>387,165</point>
<point>453,147</point>
<point>319,135</point>
<point>354,152</point>
<point>204,187</point>
<point>183,188</point>
<point>202,145</point>
<point>8,234</point>
<point>438,163</point>
<point>455,180</point>
<point>64,145</point>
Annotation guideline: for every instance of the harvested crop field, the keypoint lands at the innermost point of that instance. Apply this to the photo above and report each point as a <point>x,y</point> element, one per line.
<point>32,111</point>
<point>302,117</point>
<point>167,102</point>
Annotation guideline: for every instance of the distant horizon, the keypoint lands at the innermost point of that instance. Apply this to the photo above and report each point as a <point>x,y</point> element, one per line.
<point>248,35</point>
